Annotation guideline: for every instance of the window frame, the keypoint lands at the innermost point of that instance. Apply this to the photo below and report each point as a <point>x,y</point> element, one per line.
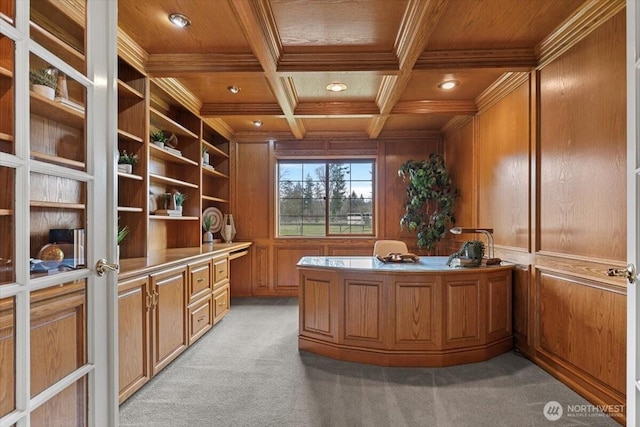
<point>326,160</point>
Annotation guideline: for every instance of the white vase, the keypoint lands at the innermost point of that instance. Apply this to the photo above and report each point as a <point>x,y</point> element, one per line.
<point>45,91</point>
<point>125,168</point>
<point>228,230</point>
<point>205,158</point>
<point>207,237</point>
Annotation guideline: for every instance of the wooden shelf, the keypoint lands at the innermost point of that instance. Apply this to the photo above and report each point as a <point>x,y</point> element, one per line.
<point>6,18</point>
<point>126,91</point>
<point>163,154</point>
<point>49,158</point>
<point>174,218</point>
<point>168,124</point>
<point>50,42</point>
<point>129,136</point>
<point>214,173</point>
<point>56,111</point>
<point>6,212</point>
<point>6,137</point>
<point>215,151</point>
<point>214,199</point>
<point>128,209</point>
<point>4,72</point>
<point>56,205</point>
<point>130,176</point>
<point>166,180</point>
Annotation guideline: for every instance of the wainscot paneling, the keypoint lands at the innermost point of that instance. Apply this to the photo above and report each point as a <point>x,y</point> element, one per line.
<point>286,258</point>
<point>260,269</point>
<point>582,333</point>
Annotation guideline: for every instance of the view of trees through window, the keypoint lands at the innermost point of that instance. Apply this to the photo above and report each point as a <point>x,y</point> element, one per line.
<point>323,198</point>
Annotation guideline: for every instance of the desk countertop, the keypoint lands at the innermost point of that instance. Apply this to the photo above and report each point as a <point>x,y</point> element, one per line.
<point>425,264</point>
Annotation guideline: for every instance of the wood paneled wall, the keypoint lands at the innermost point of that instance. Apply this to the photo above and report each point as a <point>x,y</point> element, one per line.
<point>549,177</point>
<point>270,270</point>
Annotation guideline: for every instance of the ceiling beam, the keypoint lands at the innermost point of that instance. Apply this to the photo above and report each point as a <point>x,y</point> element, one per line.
<point>177,64</point>
<point>382,62</point>
<point>324,109</point>
<point>235,109</point>
<point>259,27</point>
<point>435,107</point>
<point>419,21</point>
<point>513,59</point>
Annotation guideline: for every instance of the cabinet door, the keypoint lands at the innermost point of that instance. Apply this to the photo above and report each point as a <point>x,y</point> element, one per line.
<point>134,311</point>
<point>221,303</point>
<point>169,312</point>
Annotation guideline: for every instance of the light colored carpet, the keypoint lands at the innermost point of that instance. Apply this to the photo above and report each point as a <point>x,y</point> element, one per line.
<point>247,371</point>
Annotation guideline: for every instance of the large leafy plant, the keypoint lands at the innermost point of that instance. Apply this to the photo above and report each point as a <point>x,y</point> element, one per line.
<point>431,197</point>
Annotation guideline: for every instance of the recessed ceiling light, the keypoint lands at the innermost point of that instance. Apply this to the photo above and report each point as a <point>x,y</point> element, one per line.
<point>449,84</point>
<point>336,87</point>
<point>257,123</point>
<point>233,89</point>
<point>179,20</point>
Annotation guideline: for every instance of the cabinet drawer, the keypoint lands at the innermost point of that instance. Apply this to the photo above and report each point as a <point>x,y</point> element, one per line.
<point>199,280</point>
<point>221,303</point>
<point>220,270</point>
<point>200,319</point>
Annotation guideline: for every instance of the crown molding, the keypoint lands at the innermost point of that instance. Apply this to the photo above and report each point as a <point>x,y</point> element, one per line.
<point>177,91</point>
<point>502,87</point>
<point>131,52</point>
<point>585,20</point>
<point>456,123</point>
<point>233,109</point>
<point>381,62</point>
<point>513,59</point>
<point>176,64</point>
<point>435,107</point>
<point>219,126</point>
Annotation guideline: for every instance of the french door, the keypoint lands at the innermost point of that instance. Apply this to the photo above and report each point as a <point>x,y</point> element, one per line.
<point>633,218</point>
<point>58,115</point>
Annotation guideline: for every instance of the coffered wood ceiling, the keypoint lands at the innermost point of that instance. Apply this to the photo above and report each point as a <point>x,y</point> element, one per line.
<point>391,54</point>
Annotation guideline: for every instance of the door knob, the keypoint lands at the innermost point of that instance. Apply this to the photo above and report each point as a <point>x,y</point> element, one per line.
<point>629,272</point>
<point>102,266</point>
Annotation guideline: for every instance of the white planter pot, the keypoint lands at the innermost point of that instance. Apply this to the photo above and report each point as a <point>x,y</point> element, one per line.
<point>158,143</point>
<point>45,91</point>
<point>205,158</point>
<point>125,168</point>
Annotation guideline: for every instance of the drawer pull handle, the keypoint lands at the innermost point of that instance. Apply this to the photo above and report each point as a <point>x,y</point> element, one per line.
<point>201,319</point>
<point>220,271</point>
<point>201,279</point>
<point>220,304</point>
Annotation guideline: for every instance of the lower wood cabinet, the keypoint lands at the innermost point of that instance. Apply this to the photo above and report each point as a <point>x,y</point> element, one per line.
<point>162,312</point>
<point>169,316</point>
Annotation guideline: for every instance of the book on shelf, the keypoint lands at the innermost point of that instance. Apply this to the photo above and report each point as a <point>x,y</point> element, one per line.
<point>168,212</point>
<point>208,167</point>
<point>72,243</point>
<point>173,151</point>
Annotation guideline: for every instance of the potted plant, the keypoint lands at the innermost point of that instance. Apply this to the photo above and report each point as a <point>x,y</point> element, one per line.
<point>126,161</point>
<point>179,198</point>
<point>122,233</point>
<point>470,254</point>
<point>431,197</point>
<point>205,155</point>
<point>43,82</point>
<point>207,237</point>
<point>158,138</point>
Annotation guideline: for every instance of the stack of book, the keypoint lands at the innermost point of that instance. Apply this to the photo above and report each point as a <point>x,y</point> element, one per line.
<point>67,102</point>
<point>173,151</point>
<point>169,212</point>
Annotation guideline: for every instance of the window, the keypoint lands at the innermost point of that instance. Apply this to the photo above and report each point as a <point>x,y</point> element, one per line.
<point>318,198</point>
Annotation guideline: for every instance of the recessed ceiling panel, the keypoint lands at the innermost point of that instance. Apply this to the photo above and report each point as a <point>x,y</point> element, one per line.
<point>245,124</point>
<point>471,83</point>
<point>369,24</point>
<point>313,87</point>
<point>358,124</point>
<point>213,87</point>
<point>213,28</point>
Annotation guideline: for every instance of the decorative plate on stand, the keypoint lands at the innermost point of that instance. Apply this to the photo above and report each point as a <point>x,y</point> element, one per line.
<point>216,218</point>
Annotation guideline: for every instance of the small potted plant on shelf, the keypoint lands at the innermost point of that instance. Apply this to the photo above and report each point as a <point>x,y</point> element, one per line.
<point>179,199</point>
<point>205,155</point>
<point>207,237</point>
<point>43,82</point>
<point>158,138</point>
<point>122,233</point>
<point>126,162</point>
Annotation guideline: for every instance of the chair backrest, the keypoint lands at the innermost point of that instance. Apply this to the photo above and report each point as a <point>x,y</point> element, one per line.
<point>385,247</point>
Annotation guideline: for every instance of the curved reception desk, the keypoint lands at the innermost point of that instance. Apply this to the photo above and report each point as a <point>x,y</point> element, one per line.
<point>359,309</point>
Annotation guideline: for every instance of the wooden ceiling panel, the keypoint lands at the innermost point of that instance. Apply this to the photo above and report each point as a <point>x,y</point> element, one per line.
<point>214,27</point>
<point>313,86</point>
<point>338,124</point>
<point>244,124</point>
<point>213,87</point>
<point>335,24</point>
<point>406,122</point>
<point>473,24</point>
<point>424,84</point>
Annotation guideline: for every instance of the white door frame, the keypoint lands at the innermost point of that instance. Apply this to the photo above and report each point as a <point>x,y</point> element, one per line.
<point>633,196</point>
